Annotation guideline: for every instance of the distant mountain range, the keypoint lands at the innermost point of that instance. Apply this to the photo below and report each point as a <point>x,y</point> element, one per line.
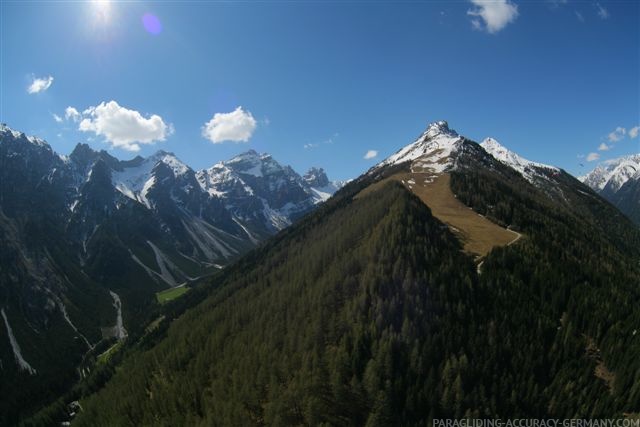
<point>618,181</point>
<point>81,230</point>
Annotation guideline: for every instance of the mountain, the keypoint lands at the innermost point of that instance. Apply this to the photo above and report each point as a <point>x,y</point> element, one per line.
<point>442,283</point>
<point>531,171</point>
<point>619,182</point>
<point>439,156</point>
<point>319,184</point>
<point>88,240</point>
<point>262,194</point>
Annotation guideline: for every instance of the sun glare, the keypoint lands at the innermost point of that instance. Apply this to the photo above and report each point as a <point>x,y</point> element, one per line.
<point>101,11</point>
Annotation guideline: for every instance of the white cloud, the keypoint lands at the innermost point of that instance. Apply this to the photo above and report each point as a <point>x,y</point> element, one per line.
<point>310,145</point>
<point>57,118</point>
<point>496,14</point>
<point>39,84</point>
<point>579,16</point>
<point>633,132</point>
<point>617,134</point>
<point>602,12</point>
<point>370,154</point>
<point>592,157</point>
<point>73,114</point>
<point>236,126</point>
<point>604,147</point>
<point>124,128</point>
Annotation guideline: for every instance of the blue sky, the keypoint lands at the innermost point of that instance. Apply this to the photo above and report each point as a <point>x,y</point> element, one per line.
<point>323,82</point>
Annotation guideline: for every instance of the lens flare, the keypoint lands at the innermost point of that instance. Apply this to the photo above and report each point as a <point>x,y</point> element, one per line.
<point>151,23</point>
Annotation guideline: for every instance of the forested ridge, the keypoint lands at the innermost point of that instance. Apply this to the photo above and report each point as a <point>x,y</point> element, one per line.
<point>367,312</point>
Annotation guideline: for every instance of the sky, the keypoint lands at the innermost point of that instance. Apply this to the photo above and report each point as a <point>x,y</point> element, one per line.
<point>336,84</point>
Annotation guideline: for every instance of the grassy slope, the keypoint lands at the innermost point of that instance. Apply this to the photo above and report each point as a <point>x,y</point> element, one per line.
<point>477,233</point>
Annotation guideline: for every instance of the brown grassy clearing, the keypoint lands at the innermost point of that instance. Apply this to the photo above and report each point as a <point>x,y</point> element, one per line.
<point>477,233</point>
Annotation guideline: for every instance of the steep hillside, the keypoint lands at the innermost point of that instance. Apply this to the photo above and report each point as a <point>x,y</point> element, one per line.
<point>367,312</point>
<point>285,337</point>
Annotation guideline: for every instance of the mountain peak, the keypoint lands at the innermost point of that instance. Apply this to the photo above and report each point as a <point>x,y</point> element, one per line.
<point>83,155</point>
<point>162,153</point>
<point>6,130</point>
<point>252,163</point>
<point>435,147</point>
<point>82,150</point>
<point>492,143</point>
<point>245,155</point>
<point>169,159</point>
<point>441,127</point>
<point>316,177</point>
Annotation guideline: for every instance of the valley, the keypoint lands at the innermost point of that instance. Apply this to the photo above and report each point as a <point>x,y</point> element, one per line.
<point>91,242</point>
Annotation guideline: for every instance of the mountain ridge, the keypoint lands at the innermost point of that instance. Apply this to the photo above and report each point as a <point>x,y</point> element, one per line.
<point>618,180</point>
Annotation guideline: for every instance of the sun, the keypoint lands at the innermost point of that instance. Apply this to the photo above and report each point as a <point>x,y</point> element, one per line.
<point>101,11</point>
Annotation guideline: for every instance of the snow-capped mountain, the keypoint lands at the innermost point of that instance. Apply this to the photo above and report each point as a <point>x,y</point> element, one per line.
<point>319,184</point>
<point>258,190</point>
<point>207,217</point>
<point>134,179</point>
<point>530,170</point>
<point>613,174</point>
<point>441,150</point>
<point>618,181</point>
<point>436,149</point>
